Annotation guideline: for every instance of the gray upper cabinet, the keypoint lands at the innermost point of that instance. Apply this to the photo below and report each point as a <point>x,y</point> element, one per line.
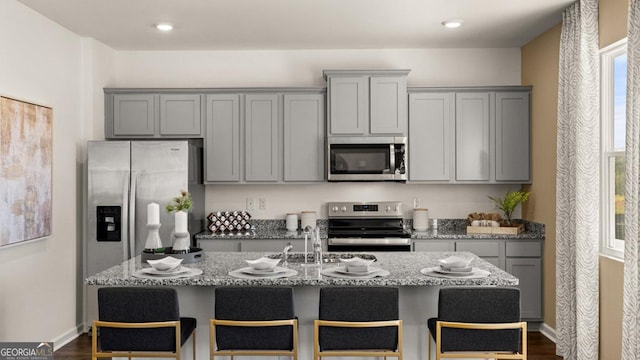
<point>430,136</point>
<point>180,115</point>
<point>349,106</point>
<point>138,113</point>
<point>472,137</point>
<point>131,115</point>
<point>512,137</point>
<point>304,137</point>
<point>222,143</point>
<point>362,102</point>
<point>261,137</point>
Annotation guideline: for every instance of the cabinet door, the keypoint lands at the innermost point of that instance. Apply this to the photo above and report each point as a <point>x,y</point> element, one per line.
<point>261,137</point>
<point>262,245</point>
<point>512,137</point>
<point>180,115</point>
<point>304,137</point>
<point>133,115</point>
<point>388,105</point>
<point>219,245</point>
<point>348,109</point>
<point>430,123</point>
<point>472,137</point>
<point>529,271</point>
<point>223,138</point>
<point>433,245</point>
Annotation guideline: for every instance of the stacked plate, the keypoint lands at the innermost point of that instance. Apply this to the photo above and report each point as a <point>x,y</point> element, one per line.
<point>453,267</point>
<point>262,268</point>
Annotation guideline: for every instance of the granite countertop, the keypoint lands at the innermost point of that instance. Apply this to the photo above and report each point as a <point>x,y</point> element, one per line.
<point>404,268</point>
<point>447,229</point>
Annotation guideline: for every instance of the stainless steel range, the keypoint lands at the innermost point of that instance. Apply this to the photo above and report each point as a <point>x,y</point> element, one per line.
<point>367,226</point>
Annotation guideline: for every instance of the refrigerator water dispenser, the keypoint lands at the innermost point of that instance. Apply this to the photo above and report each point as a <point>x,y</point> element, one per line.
<point>108,223</point>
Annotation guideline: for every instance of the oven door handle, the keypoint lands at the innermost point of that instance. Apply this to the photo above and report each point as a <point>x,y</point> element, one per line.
<point>370,241</point>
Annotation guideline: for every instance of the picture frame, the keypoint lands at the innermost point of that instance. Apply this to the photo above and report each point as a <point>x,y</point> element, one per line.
<point>26,169</point>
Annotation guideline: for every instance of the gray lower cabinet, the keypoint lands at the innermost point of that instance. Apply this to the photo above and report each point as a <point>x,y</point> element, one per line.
<point>131,114</point>
<point>304,133</point>
<point>521,258</point>
<point>253,245</point>
<point>222,141</point>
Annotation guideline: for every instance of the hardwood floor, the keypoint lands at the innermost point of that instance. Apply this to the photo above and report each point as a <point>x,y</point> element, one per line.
<point>540,348</point>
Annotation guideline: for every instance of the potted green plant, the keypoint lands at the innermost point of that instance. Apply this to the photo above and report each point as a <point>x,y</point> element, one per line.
<point>509,203</point>
<point>180,203</point>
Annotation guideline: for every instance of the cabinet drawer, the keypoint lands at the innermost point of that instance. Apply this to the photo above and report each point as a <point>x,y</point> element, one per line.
<point>480,248</point>
<point>431,245</point>
<point>524,249</point>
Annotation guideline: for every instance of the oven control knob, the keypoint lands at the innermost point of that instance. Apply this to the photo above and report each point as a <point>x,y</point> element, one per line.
<point>387,208</point>
<point>343,209</point>
<point>334,209</point>
<point>395,208</point>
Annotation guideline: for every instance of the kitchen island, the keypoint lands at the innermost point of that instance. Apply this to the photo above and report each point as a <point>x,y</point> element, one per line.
<point>418,292</point>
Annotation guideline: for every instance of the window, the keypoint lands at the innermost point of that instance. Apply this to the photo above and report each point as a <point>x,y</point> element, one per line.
<point>613,77</point>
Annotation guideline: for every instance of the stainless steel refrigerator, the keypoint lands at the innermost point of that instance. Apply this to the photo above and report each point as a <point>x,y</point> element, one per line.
<point>123,177</point>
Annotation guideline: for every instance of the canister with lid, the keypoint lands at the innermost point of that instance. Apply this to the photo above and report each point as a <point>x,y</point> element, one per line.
<point>420,219</point>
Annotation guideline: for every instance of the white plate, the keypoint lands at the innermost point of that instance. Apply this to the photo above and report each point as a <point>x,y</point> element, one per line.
<point>475,274</point>
<point>252,271</point>
<point>440,270</point>
<point>241,274</point>
<point>341,270</point>
<point>177,271</point>
<point>188,272</point>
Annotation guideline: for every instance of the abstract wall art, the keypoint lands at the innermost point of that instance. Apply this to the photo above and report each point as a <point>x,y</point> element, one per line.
<point>26,153</point>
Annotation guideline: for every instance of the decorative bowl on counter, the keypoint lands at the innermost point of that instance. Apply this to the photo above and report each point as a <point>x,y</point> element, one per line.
<point>454,262</point>
<point>165,264</point>
<point>264,263</point>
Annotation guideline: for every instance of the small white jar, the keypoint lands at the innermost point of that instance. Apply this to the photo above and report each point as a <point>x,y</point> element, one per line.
<point>292,222</point>
<point>420,219</point>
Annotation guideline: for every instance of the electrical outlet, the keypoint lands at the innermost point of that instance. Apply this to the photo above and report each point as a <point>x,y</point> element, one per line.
<point>250,204</point>
<point>416,202</point>
<point>262,203</point>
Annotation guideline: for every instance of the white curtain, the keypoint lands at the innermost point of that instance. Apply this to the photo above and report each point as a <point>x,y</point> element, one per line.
<point>578,192</point>
<point>631,302</point>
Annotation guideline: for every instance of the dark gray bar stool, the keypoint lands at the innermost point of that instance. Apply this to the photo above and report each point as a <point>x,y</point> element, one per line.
<point>254,321</point>
<point>358,321</point>
<point>478,322</point>
<point>140,322</point>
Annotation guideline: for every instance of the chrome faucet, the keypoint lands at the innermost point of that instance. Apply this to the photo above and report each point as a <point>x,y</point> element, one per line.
<point>285,254</point>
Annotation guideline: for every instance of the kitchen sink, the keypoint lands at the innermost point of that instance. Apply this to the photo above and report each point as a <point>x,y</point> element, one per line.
<point>297,258</point>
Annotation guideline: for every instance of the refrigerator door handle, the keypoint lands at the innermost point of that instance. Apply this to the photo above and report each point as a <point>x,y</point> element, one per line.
<point>132,214</point>
<point>125,214</point>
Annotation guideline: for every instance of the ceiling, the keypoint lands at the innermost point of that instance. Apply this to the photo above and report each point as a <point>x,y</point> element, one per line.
<point>303,24</point>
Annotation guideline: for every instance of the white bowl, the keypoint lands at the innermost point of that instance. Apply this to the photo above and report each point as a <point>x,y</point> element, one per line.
<point>455,262</point>
<point>358,269</point>
<point>356,262</point>
<point>264,263</point>
<point>165,264</point>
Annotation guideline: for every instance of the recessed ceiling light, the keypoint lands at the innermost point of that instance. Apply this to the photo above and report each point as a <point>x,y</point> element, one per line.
<point>164,27</point>
<point>452,24</point>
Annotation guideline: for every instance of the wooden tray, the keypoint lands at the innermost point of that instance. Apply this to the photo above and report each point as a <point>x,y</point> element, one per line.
<point>502,230</point>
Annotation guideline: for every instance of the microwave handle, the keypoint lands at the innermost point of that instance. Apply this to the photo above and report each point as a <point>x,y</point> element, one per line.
<point>392,158</point>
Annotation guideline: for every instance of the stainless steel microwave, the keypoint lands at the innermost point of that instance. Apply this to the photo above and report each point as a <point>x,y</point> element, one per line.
<point>367,158</point>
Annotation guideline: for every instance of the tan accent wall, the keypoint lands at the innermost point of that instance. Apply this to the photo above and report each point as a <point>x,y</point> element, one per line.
<point>612,21</point>
<point>611,275</point>
<point>540,59</point>
<point>540,69</point>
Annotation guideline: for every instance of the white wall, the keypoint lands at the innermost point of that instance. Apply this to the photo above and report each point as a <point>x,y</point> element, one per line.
<point>429,67</point>
<point>40,62</point>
